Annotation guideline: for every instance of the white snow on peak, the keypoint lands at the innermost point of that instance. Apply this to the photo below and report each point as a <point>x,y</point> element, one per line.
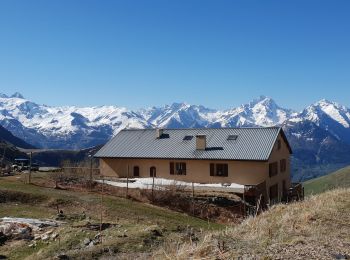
<point>337,112</point>
<point>324,108</point>
<point>260,112</point>
<point>63,122</point>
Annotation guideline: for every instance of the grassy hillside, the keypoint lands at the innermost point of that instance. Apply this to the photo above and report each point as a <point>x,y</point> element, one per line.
<point>137,228</point>
<point>317,228</point>
<point>340,178</point>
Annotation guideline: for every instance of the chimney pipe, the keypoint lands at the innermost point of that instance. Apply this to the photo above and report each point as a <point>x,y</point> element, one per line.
<point>159,133</point>
<point>201,142</point>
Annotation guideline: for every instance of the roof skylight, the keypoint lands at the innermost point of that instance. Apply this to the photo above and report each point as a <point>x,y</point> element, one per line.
<point>232,137</point>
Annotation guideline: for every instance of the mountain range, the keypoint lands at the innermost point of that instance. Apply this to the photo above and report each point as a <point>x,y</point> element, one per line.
<point>319,134</point>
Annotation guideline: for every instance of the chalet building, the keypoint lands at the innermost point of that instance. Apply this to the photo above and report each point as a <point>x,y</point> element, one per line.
<point>248,156</point>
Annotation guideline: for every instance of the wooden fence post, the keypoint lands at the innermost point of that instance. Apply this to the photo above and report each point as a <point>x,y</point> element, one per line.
<point>91,170</point>
<point>244,209</point>
<point>30,168</point>
<point>101,217</point>
<point>152,185</point>
<point>127,182</point>
<point>192,198</point>
<point>258,205</point>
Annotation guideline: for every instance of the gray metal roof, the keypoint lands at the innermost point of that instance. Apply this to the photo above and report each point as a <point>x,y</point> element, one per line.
<point>251,144</point>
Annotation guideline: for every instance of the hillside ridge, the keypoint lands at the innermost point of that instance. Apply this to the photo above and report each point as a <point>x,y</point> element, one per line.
<point>317,228</point>
<point>337,179</point>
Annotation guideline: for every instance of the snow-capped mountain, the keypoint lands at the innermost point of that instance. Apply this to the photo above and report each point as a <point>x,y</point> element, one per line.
<point>177,115</point>
<point>318,110</point>
<point>329,116</point>
<point>260,112</point>
<point>64,127</point>
<point>81,127</point>
<point>319,134</point>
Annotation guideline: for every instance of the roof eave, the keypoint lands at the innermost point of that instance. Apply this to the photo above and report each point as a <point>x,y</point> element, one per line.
<point>189,159</point>
<point>286,140</point>
<point>280,131</point>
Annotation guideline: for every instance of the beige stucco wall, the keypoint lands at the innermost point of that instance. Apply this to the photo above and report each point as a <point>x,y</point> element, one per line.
<point>197,170</point>
<point>240,172</point>
<point>276,156</point>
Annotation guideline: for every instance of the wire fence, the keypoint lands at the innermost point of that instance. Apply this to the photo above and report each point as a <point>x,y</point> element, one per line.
<point>69,176</point>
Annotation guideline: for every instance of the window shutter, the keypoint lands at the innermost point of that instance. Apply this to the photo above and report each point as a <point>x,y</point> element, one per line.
<point>273,169</point>
<point>212,169</point>
<point>172,168</point>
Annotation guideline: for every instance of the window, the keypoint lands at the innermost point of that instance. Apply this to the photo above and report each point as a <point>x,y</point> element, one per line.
<point>153,172</point>
<point>279,144</point>
<point>232,137</point>
<point>178,168</point>
<point>136,171</point>
<point>188,137</point>
<point>219,169</point>
<point>273,169</point>
<point>283,165</point>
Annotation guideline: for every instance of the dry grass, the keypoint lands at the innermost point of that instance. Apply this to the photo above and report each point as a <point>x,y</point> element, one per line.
<point>133,231</point>
<point>317,228</point>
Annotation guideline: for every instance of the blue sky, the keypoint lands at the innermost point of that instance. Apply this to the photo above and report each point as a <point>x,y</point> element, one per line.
<point>143,53</point>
